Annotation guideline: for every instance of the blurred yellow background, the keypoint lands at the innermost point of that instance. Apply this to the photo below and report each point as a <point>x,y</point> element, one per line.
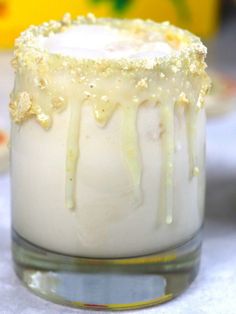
<point>199,16</point>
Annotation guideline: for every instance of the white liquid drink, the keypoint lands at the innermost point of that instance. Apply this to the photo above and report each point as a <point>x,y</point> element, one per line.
<point>108,137</point>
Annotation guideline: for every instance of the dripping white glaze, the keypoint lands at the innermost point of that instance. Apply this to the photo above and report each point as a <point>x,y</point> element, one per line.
<point>100,41</point>
<point>166,200</point>
<point>108,42</point>
<point>130,147</point>
<point>191,121</point>
<point>72,154</point>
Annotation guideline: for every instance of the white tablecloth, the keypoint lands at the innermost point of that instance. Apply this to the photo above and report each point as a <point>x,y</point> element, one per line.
<point>214,290</point>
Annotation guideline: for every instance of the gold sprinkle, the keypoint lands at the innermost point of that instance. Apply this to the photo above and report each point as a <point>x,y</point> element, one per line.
<point>41,83</point>
<point>24,102</point>
<point>44,120</point>
<point>91,17</point>
<point>183,100</point>
<point>39,59</point>
<point>174,39</point>
<point>143,83</point>
<point>67,19</point>
<point>58,102</point>
<point>20,106</point>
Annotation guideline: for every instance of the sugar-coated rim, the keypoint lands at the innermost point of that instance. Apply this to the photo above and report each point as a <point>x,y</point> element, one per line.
<point>28,48</point>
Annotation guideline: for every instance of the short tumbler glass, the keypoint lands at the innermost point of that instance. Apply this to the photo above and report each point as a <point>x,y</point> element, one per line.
<point>107,166</point>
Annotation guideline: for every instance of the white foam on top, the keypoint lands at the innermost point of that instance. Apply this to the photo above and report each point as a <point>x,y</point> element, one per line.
<point>101,41</point>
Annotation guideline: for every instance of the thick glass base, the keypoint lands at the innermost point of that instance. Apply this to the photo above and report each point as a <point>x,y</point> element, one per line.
<point>108,284</point>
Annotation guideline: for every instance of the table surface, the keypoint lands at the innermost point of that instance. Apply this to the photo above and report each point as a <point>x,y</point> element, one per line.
<point>214,289</point>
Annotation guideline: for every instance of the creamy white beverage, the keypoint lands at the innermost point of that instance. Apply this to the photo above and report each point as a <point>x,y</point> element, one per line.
<point>107,146</point>
<point>104,41</point>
